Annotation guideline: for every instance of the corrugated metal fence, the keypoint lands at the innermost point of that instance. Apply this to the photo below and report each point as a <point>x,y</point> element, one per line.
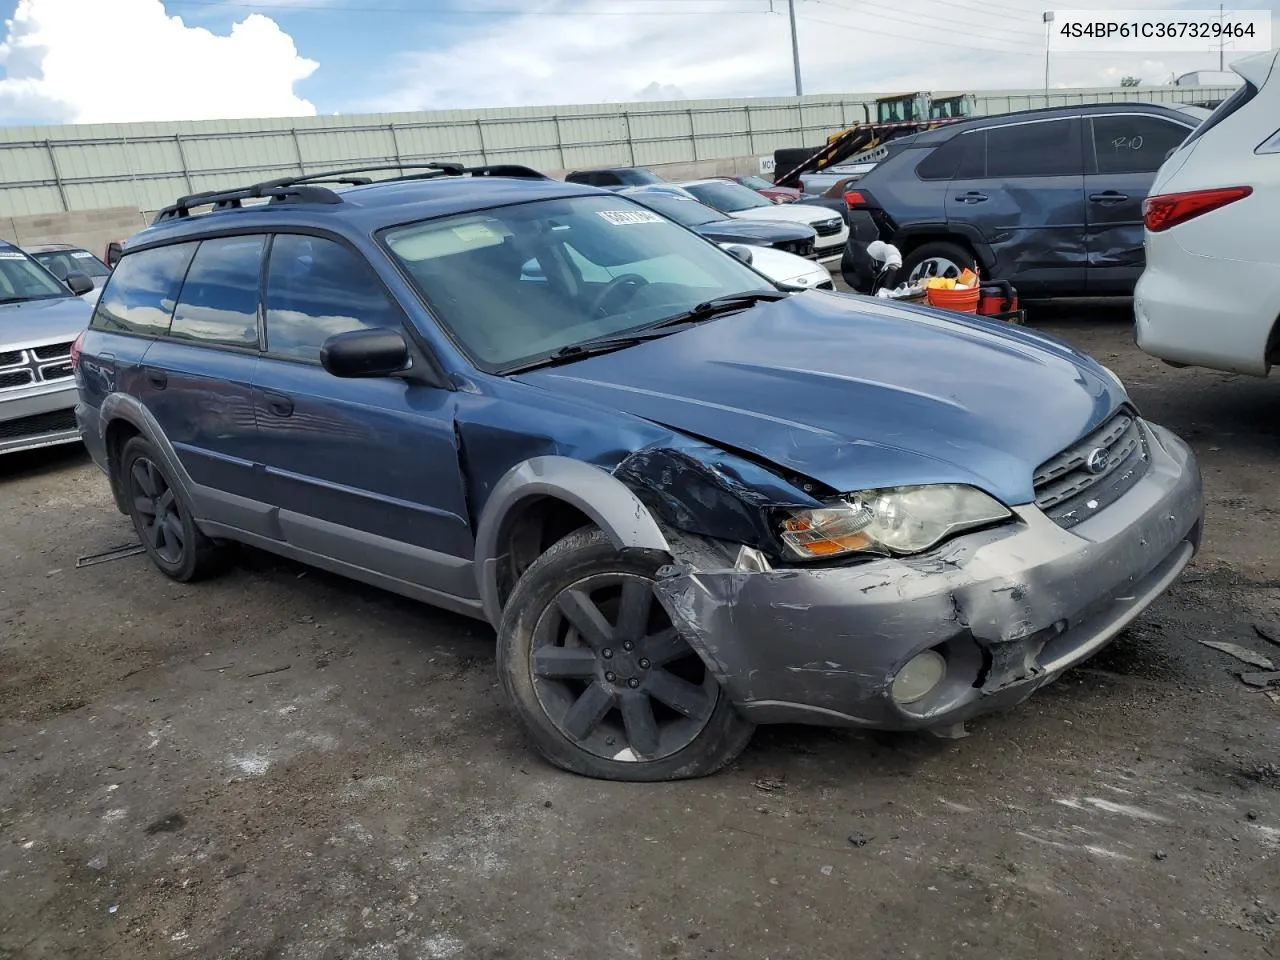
<point>147,165</point>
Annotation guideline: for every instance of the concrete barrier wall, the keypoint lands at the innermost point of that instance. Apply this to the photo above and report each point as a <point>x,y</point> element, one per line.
<point>91,229</point>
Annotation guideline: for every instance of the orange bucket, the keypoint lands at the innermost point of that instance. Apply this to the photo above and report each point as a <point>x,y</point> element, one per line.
<point>961,301</point>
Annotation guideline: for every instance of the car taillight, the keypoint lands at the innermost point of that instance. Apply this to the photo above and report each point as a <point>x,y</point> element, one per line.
<point>1170,209</point>
<point>854,198</point>
<point>75,350</point>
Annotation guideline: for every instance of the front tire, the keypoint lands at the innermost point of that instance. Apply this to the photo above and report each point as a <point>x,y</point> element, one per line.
<point>161,516</point>
<point>601,679</point>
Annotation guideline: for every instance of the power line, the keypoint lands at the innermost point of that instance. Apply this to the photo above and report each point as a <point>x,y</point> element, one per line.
<point>476,12</point>
<point>880,14</point>
<point>938,43</point>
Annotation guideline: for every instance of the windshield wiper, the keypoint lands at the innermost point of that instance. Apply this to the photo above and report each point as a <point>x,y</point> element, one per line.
<point>589,348</point>
<point>719,305</point>
<point>702,311</point>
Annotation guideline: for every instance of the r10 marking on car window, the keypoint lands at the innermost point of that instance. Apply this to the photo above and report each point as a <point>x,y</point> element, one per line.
<point>621,218</point>
<point>1127,143</point>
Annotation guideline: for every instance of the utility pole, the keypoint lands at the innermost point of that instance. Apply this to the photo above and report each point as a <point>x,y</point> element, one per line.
<point>1048,29</point>
<point>795,47</point>
<point>1221,40</point>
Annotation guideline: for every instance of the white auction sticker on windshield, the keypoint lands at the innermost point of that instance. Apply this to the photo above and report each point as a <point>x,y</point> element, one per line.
<point>12,255</point>
<point>81,254</point>
<point>621,218</point>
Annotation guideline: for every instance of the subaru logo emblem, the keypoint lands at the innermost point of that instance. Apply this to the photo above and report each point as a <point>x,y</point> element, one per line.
<point>1098,460</point>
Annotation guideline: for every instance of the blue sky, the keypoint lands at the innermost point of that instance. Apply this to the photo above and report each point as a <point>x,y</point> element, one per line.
<point>178,59</point>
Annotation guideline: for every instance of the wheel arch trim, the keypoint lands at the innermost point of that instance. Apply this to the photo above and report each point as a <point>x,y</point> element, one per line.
<point>610,504</point>
<point>121,406</point>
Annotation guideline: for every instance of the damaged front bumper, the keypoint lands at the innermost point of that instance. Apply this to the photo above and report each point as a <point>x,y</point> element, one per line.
<point>1007,608</point>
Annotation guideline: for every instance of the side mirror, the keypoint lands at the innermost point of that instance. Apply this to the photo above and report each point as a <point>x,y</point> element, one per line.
<point>365,353</point>
<point>79,284</point>
<point>741,252</point>
<point>113,253</point>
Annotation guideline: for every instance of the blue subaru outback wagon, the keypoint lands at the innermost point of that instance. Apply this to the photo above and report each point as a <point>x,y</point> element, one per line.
<point>688,501</point>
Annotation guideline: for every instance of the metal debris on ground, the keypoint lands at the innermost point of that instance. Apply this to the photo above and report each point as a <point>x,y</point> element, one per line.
<point>1261,679</point>
<point>769,784</point>
<point>114,553</point>
<point>1243,654</point>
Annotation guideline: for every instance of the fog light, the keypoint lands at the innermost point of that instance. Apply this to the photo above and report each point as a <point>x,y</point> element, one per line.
<point>918,677</point>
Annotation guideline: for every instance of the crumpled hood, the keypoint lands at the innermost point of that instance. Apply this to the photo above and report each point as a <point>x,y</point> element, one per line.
<point>857,393</point>
<point>32,322</point>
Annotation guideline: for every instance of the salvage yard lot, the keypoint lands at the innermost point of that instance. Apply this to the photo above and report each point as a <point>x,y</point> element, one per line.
<point>282,764</point>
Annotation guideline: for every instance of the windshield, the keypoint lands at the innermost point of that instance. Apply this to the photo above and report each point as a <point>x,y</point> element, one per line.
<point>63,263</point>
<point>21,278</point>
<point>519,283</point>
<point>756,183</point>
<point>727,196</point>
<point>682,210</point>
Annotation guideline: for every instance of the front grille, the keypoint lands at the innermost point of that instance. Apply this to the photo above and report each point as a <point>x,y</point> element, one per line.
<point>828,228</point>
<point>53,422</point>
<point>1094,472</point>
<point>45,364</point>
<point>53,351</point>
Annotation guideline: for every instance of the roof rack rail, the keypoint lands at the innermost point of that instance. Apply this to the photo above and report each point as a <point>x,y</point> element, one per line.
<point>305,189</point>
<point>231,199</point>
<point>436,168</point>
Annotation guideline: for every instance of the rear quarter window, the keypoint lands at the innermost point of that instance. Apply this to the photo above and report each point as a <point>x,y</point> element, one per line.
<point>143,289</point>
<point>943,161</point>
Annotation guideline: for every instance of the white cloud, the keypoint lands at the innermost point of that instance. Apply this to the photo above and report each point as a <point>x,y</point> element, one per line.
<point>909,45</point>
<point>102,61</point>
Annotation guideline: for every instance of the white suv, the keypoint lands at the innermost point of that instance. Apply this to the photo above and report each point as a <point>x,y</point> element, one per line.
<point>1210,294</point>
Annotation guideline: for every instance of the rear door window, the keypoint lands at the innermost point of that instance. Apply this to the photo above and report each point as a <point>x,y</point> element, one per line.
<point>316,288</point>
<point>219,300</point>
<point>1132,143</point>
<point>1046,148</point>
<point>143,290</point>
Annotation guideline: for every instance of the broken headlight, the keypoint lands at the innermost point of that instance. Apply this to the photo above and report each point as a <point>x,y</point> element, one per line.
<point>894,520</point>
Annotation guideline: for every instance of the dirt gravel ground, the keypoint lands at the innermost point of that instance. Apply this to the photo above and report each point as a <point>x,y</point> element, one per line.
<point>283,764</point>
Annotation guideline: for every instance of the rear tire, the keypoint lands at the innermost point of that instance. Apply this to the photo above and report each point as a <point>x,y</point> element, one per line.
<point>161,515</point>
<point>600,678</point>
<point>938,258</point>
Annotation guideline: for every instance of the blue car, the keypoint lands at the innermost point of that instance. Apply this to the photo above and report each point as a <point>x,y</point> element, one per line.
<point>688,502</point>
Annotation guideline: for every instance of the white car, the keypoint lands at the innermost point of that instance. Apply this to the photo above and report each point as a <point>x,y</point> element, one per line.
<point>744,203</point>
<point>785,269</point>
<point>1210,293</point>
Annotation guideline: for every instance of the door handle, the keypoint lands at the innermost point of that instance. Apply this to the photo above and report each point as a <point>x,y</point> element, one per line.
<point>158,378</point>
<point>972,197</point>
<point>279,404</point>
<point>1108,196</point>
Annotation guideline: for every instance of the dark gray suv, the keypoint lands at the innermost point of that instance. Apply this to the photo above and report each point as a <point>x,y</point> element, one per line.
<point>1050,200</point>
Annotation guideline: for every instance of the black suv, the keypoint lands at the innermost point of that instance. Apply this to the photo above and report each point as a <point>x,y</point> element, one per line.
<point>615,177</point>
<point>1050,200</point>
